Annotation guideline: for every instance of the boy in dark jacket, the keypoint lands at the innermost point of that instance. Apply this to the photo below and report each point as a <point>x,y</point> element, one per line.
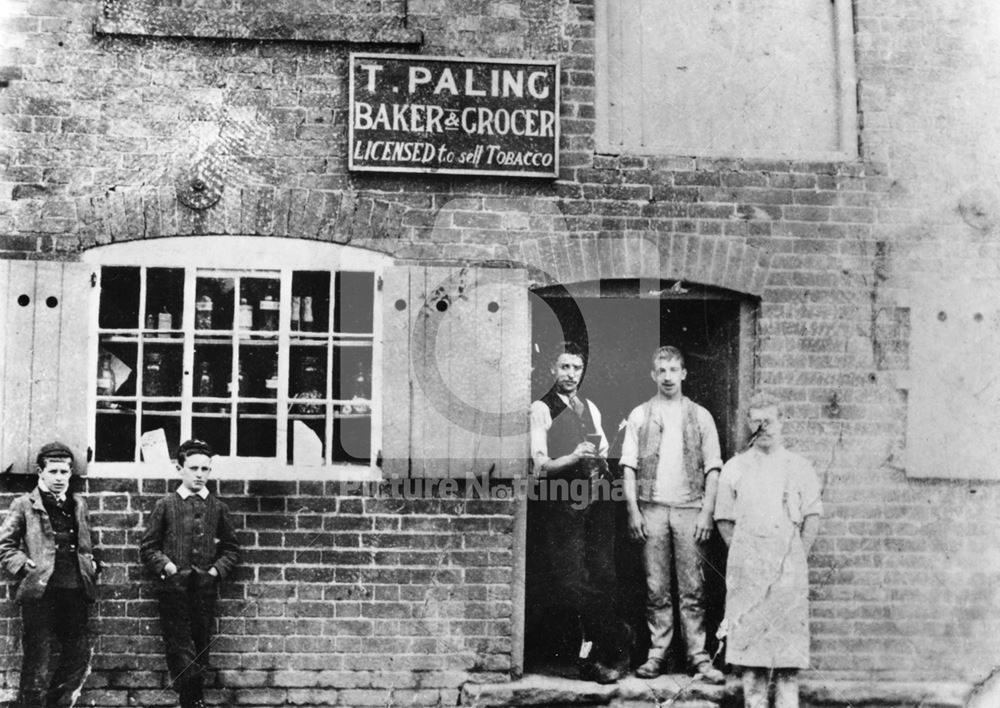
<point>46,544</point>
<point>179,547</point>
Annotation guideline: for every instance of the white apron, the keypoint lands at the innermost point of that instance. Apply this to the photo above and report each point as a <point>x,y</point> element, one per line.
<point>767,581</point>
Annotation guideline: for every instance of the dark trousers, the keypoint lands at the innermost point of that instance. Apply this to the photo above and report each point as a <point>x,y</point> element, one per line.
<point>57,622</point>
<point>578,573</point>
<point>187,608</point>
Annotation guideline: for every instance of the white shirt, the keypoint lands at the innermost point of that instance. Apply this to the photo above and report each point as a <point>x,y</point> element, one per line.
<point>541,421</point>
<point>60,497</point>
<point>183,492</point>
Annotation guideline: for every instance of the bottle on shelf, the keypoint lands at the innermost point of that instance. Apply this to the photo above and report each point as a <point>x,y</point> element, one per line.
<point>246,314</point>
<point>268,313</point>
<point>105,381</point>
<point>151,321</point>
<point>152,375</point>
<point>307,314</point>
<point>296,313</point>
<point>203,313</point>
<point>206,386</point>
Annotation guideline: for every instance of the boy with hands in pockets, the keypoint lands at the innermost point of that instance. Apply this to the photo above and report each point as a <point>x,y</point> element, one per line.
<point>190,545</point>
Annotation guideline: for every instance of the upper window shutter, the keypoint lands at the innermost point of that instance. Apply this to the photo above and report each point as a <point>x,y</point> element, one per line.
<point>44,360</point>
<point>755,79</point>
<point>467,370</point>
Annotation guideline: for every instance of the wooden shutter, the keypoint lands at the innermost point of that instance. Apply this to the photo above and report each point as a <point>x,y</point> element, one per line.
<point>770,77</point>
<point>43,360</point>
<point>397,323</point>
<point>952,395</point>
<point>457,370</point>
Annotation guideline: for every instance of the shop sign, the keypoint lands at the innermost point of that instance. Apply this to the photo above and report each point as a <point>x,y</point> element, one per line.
<point>453,116</point>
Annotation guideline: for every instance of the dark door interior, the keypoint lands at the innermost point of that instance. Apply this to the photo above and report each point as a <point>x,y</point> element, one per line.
<point>620,324</point>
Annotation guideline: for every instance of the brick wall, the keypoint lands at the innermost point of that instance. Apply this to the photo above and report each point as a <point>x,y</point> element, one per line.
<point>102,129</point>
<point>384,595</point>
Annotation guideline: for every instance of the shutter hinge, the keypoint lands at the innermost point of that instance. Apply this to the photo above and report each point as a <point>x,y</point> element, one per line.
<point>93,280</point>
<point>378,459</point>
<point>379,283</point>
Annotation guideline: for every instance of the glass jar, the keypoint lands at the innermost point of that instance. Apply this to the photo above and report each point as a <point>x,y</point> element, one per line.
<point>268,314</point>
<point>205,387</point>
<point>246,314</point>
<point>152,375</point>
<point>105,381</point>
<point>307,314</point>
<point>296,312</point>
<point>203,313</point>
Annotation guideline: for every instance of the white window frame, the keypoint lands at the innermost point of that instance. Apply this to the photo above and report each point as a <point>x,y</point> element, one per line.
<point>232,253</point>
<point>848,132</point>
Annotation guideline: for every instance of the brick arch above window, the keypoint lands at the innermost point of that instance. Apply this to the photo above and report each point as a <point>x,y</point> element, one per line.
<point>723,262</point>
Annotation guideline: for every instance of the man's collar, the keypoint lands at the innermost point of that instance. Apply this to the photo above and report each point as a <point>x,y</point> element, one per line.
<point>45,490</point>
<point>183,492</point>
<point>663,399</point>
<point>776,449</point>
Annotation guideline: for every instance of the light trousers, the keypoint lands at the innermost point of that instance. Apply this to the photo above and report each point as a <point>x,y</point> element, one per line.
<point>671,550</point>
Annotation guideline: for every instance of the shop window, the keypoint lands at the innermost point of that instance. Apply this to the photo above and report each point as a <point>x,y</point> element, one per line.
<point>292,357</point>
<point>273,366</point>
<point>733,78</point>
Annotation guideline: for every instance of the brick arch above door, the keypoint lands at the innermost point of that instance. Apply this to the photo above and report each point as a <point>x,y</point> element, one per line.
<point>724,262</point>
<point>128,214</point>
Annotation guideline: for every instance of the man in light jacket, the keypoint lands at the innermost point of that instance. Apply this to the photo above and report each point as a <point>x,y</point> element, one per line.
<point>46,545</point>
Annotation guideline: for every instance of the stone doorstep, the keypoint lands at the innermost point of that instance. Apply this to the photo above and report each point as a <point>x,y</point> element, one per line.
<point>686,692</point>
<point>535,690</point>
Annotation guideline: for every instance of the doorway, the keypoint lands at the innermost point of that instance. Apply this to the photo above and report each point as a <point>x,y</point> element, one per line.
<point>619,323</point>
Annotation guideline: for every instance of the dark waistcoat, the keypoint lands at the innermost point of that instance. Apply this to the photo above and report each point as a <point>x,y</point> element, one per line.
<point>66,571</point>
<point>568,429</point>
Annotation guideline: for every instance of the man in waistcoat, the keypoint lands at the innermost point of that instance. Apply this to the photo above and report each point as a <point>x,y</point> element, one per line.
<point>47,546</point>
<point>670,467</point>
<point>568,449</point>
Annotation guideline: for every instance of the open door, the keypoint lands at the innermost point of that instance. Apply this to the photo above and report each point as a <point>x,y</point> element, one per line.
<point>620,324</point>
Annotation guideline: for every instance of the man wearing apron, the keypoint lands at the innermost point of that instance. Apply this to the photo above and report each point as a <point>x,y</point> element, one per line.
<point>768,510</point>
